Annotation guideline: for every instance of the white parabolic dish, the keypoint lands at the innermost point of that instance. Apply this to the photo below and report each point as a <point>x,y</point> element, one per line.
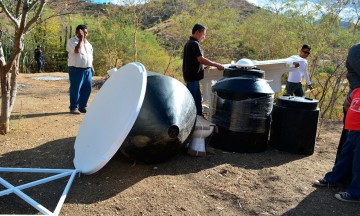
<point>110,118</point>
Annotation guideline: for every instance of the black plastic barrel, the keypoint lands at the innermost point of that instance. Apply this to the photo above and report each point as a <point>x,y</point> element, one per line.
<point>165,122</point>
<point>294,124</point>
<point>233,71</point>
<point>241,106</point>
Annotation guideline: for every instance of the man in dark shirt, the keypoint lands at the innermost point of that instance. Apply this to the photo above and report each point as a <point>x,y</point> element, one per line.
<point>193,64</point>
<point>39,58</point>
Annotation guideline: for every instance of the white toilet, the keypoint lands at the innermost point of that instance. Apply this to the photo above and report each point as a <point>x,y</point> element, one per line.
<point>203,128</point>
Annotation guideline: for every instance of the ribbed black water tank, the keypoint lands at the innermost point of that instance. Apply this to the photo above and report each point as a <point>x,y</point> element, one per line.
<point>237,72</point>
<point>294,124</point>
<point>241,106</point>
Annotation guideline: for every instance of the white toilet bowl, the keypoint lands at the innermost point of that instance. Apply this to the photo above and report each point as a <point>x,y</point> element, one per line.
<point>203,128</point>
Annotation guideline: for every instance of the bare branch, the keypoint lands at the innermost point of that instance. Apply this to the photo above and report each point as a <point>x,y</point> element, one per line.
<point>33,4</point>
<point>37,14</point>
<point>17,10</point>
<point>8,14</point>
<point>47,18</point>
<point>71,5</point>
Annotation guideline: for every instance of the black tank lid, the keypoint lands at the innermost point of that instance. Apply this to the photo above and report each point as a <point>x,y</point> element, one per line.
<point>233,71</point>
<point>243,85</point>
<point>297,102</point>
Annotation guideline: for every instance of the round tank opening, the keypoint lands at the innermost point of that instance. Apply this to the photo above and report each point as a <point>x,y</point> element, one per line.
<point>173,131</point>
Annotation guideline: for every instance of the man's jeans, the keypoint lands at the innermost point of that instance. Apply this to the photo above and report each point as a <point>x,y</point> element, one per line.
<point>349,159</point>
<point>294,88</point>
<point>194,88</point>
<point>39,64</point>
<point>80,87</point>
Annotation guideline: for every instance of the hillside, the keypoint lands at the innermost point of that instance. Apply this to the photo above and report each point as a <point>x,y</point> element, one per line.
<point>166,9</point>
<point>164,20</point>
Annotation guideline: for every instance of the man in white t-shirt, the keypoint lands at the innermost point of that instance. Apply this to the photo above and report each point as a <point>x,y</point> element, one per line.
<point>81,70</point>
<point>293,84</point>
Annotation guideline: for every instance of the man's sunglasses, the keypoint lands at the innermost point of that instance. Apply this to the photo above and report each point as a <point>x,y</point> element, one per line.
<point>306,52</point>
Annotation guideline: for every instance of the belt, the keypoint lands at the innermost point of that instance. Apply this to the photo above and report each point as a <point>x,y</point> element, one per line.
<point>79,67</point>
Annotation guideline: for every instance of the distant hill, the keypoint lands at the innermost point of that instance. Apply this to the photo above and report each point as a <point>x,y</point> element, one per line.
<point>168,9</point>
<point>169,6</point>
<point>163,22</point>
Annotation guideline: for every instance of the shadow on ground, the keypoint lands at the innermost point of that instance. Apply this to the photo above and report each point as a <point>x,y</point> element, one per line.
<point>37,115</point>
<point>326,204</point>
<point>118,175</point>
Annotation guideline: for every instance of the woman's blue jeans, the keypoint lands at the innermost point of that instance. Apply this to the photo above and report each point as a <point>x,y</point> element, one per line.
<point>194,88</point>
<point>80,87</point>
<point>348,160</point>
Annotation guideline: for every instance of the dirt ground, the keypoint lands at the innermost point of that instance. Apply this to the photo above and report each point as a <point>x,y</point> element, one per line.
<point>268,183</point>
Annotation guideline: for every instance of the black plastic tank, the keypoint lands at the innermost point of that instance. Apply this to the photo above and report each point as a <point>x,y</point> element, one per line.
<point>165,122</point>
<point>241,106</point>
<point>236,72</point>
<point>294,124</point>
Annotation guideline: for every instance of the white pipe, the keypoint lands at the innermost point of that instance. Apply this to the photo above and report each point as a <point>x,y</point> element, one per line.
<point>64,194</point>
<point>29,200</point>
<point>34,183</point>
<point>26,198</point>
<point>33,170</point>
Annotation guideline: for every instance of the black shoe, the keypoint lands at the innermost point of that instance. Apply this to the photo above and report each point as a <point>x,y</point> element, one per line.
<point>83,110</point>
<point>323,183</point>
<point>346,197</point>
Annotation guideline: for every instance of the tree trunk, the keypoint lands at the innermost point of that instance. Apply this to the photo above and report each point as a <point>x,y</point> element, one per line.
<point>8,91</point>
<point>4,118</point>
<point>13,83</point>
<point>134,45</point>
<point>5,98</point>
<point>135,36</point>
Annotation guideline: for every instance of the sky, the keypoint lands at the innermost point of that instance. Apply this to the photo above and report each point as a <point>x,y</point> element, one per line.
<point>257,2</point>
<point>103,1</point>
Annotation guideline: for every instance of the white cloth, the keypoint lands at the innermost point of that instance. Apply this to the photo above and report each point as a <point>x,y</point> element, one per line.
<point>83,59</point>
<point>295,76</point>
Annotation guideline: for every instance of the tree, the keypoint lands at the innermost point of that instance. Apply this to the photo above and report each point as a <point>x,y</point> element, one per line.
<point>322,26</point>
<point>140,10</point>
<point>222,38</point>
<point>24,15</point>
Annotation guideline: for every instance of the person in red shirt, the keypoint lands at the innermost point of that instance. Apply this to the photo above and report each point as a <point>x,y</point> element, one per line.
<point>349,158</point>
